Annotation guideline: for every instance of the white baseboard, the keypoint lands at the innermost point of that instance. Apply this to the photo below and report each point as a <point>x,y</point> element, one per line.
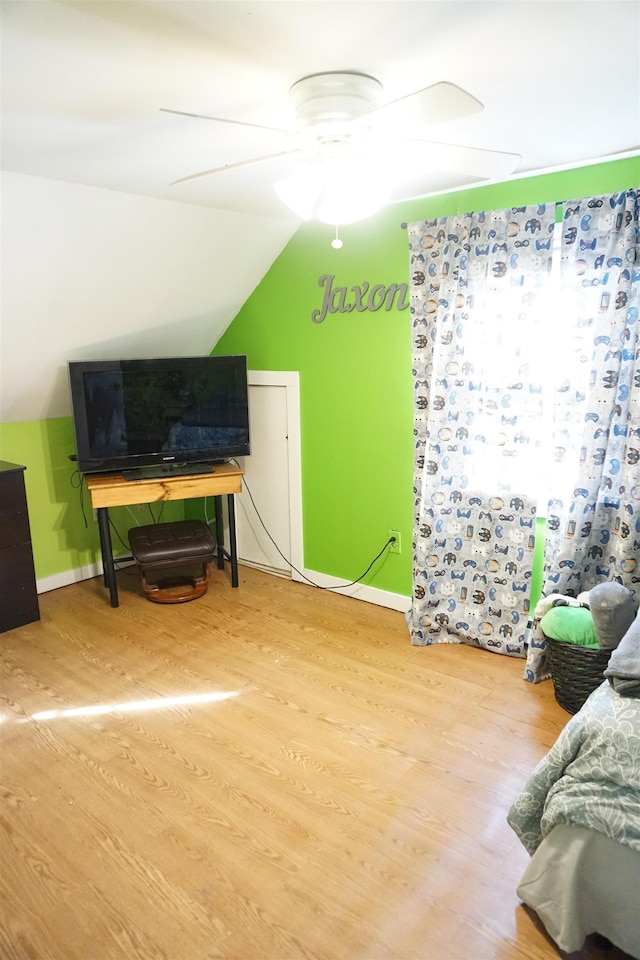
<point>382,598</point>
<point>359,591</point>
<point>76,575</point>
<point>57,580</point>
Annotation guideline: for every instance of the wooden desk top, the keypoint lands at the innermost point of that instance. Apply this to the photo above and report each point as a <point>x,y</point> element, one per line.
<point>112,490</point>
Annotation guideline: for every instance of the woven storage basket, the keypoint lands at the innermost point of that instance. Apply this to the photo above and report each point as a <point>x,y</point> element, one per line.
<point>575,671</point>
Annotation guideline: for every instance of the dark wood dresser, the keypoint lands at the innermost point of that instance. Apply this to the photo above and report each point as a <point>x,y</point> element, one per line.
<point>18,594</point>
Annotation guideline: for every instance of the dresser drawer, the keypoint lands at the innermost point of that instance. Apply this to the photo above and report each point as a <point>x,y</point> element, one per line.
<point>14,516</point>
<point>18,596</point>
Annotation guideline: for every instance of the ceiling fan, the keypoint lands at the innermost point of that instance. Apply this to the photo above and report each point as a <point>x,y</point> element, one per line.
<point>352,149</point>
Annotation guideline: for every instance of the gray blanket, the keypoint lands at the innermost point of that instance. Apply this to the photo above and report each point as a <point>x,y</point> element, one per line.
<point>623,669</point>
<point>589,778</point>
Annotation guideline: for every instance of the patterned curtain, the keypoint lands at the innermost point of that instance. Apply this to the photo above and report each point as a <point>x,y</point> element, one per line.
<point>593,517</point>
<point>479,295</point>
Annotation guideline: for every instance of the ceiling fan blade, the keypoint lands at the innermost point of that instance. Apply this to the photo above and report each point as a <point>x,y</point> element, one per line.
<point>233,166</point>
<point>435,104</point>
<point>475,161</point>
<point>238,123</point>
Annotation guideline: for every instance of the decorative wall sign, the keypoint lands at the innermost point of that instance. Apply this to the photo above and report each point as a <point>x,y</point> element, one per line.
<point>360,298</point>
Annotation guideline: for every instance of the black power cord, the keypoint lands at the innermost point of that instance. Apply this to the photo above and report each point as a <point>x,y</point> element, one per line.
<point>339,586</point>
<point>78,483</point>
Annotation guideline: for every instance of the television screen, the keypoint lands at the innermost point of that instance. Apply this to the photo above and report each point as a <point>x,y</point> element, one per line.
<point>152,417</point>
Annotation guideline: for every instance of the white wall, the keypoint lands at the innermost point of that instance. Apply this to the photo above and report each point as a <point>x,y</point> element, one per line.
<point>90,273</point>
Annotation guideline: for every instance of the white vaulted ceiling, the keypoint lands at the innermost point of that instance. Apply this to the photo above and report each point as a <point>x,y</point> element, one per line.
<point>83,84</point>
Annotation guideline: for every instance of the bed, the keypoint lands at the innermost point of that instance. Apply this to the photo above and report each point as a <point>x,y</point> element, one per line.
<point>578,816</point>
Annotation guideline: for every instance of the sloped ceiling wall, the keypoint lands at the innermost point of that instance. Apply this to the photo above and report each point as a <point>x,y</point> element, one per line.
<point>90,273</point>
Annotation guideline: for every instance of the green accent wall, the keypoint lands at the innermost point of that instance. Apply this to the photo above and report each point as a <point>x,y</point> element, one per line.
<point>355,384</point>
<point>355,369</point>
<point>64,534</point>
<point>59,537</point>
<point>355,395</point>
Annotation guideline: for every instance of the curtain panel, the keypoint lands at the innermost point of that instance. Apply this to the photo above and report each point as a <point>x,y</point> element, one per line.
<point>593,516</point>
<point>593,519</point>
<point>479,297</point>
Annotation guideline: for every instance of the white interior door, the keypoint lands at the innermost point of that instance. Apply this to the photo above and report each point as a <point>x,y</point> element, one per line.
<point>269,511</point>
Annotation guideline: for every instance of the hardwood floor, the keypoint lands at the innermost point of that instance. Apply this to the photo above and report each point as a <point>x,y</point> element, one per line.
<point>264,773</point>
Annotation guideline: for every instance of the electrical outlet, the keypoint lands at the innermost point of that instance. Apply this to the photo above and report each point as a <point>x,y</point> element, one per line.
<point>395,547</point>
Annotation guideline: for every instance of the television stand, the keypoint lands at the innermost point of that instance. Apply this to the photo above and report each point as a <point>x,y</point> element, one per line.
<point>112,490</point>
<point>160,470</point>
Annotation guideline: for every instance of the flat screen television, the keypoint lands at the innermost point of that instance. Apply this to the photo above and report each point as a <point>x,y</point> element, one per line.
<point>153,417</point>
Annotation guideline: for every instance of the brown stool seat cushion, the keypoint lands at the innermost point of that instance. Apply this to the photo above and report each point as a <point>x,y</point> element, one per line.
<point>173,559</point>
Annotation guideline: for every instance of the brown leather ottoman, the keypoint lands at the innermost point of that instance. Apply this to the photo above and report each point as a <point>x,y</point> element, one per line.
<point>173,559</point>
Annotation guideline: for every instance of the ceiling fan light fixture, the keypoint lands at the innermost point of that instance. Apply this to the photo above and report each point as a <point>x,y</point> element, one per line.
<point>346,199</point>
<point>330,198</point>
<point>339,186</point>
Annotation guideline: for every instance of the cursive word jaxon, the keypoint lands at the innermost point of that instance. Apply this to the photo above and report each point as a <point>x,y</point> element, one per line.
<point>364,297</point>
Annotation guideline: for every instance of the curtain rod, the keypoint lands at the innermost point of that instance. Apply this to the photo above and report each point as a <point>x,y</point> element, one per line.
<point>558,203</point>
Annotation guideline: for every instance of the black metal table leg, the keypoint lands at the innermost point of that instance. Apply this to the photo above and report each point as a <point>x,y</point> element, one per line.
<point>108,567</point>
<point>217,503</point>
<point>232,539</point>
